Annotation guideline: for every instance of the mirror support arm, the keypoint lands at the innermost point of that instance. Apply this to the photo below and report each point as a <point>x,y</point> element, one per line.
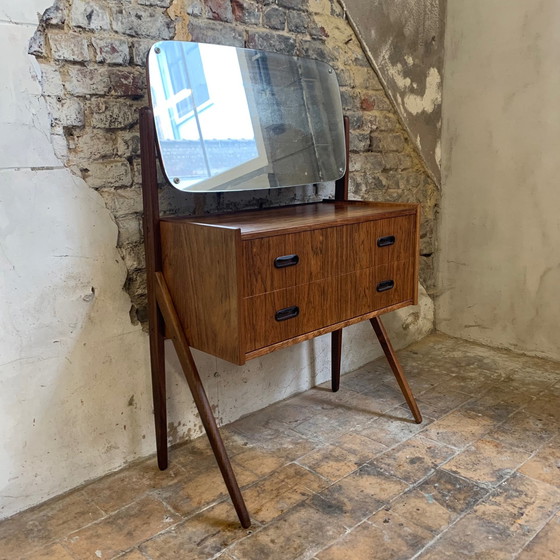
<point>341,185</point>
<point>152,244</point>
<point>340,193</point>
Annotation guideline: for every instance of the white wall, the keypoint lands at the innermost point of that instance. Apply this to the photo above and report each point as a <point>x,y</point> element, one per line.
<point>75,396</point>
<point>499,268</point>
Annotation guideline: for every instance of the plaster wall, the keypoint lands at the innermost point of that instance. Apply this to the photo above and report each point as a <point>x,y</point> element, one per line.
<point>75,396</point>
<point>499,268</point>
<point>406,40</point>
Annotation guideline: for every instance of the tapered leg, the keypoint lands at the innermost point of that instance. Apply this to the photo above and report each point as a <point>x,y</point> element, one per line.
<point>336,354</point>
<point>396,367</point>
<point>199,395</point>
<point>157,359</point>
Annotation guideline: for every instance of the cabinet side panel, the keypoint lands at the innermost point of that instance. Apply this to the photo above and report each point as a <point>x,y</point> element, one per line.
<point>200,267</point>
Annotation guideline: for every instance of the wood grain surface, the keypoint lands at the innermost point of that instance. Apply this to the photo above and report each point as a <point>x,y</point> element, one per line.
<point>324,302</point>
<point>226,289</point>
<point>325,252</point>
<point>200,266</point>
<point>301,217</point>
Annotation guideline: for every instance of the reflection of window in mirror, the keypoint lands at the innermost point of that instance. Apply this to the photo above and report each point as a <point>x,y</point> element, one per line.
<point>207,141</point>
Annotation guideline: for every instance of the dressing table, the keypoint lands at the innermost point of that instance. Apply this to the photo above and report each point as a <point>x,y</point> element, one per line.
<point>244,284</point>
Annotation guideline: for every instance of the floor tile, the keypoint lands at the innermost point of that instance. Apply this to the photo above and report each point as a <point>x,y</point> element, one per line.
<point>545,465</point>
<point>282,490</point>
<point>414,459</point>
<point>347,411</point>
<point>546,545</point>
<point>120,531</point>
<point>440,400</point>
<point>438,501</point>
<point>35,528</point>
<point>473,538</point>
<point>501,525</point>
<point>487,462</point>
<point>366,378</point>
<point>459,428</point>
<point>520,504</point>
<point>198,538</point>
<point>257,461</point>
<point>117,490</point>
<point>299,533</point>
<point>190,494</point>
<point>357,496</point>
<point>330,461</point>
<point>387,537</point>
<point>391,431</point>
<point>50,552</point>
<point>361,448</point>
<point>545,407</point>
<point>487,407</point>
<point>275,437</point>
<point>525,431</point>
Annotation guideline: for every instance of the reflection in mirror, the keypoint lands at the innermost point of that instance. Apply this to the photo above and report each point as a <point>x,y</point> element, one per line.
<point>234,119</point>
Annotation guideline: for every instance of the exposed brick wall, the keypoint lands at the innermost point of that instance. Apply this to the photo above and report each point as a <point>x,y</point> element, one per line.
<point>92,54</point>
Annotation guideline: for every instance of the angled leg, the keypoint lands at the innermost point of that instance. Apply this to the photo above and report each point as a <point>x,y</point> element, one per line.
<point>199,395</point>
<point>336,354</point>
<point>396,367</point>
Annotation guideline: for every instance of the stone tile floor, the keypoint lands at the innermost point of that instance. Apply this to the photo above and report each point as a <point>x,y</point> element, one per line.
<point>343,476</point>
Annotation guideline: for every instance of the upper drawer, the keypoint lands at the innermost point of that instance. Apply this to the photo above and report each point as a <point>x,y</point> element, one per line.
<point>277,262</point>
<point>281,261</point>
<point>394,239</point>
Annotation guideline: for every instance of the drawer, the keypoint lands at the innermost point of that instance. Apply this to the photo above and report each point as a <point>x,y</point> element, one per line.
<point>394,239</point>
<point>325,302</point>
<point>277,262</point>
<point>317,304</point>
<point>281,261</point>
<point>376,288</point>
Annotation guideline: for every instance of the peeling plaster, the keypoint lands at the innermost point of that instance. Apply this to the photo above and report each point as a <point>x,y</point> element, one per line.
<point>416,104</point>
<point>405,40</point>
<point>396,72</point>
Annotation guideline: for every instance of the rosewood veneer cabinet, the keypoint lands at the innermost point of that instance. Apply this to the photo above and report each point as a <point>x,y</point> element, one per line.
<point>244,284</point>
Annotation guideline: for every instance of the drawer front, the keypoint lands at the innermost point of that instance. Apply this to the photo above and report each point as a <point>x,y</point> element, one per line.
<point>281,261</point>
<point>375,288</point>
<point>283,314</point>
<point>277,262</point>
<point>316,303</point>
<point>394,239</point>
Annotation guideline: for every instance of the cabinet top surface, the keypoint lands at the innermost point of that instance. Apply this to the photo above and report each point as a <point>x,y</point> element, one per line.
<point>254,223</point>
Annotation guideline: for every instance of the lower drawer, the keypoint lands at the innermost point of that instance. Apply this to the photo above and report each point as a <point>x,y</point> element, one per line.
<point>283,314</point>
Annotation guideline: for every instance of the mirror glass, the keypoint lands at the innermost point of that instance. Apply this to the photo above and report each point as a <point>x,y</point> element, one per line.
<point>232,119</point>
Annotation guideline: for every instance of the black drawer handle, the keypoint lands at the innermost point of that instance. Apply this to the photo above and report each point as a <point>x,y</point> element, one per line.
<point>287,313</point>
<point>386,241</point>
<point>286,260</point>
<point>385,285</point>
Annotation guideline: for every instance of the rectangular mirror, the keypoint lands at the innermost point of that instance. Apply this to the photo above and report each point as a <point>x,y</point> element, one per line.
<point>230,119</point>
